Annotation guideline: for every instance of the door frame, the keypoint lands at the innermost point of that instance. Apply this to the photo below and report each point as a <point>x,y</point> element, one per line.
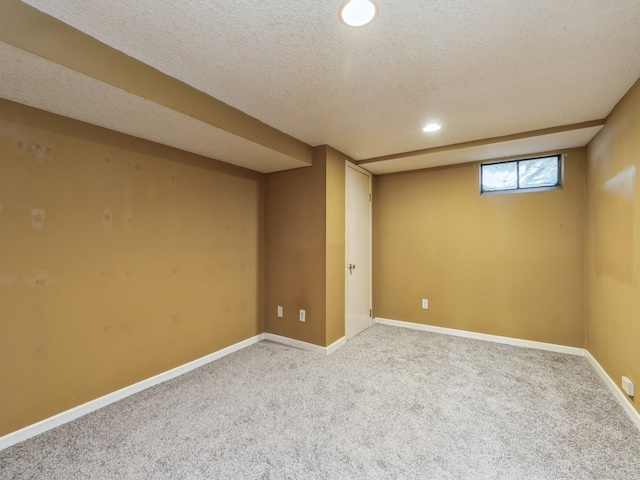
<point>355,167</point>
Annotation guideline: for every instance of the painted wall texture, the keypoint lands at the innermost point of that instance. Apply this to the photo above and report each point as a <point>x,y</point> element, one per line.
<point>613,242</point>
<point>305,232</point>
<point>501,264</point>
<point>335,247</point>
<point>295,251</point>
<point>119,259</point>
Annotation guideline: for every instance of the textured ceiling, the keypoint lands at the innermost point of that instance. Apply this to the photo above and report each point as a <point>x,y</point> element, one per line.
<point>31,80</point>
<point>483,69</point>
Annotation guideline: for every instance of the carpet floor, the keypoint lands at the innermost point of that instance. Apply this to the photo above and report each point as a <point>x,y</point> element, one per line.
<point>392,403</point>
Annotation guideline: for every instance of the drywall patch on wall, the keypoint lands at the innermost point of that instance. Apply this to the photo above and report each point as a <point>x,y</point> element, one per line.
<point>42,280</point>
<point>37,218</point>
<point>42,151</point>
<point>107,219</point>
<point>19,137</point>
<point>20,146</point>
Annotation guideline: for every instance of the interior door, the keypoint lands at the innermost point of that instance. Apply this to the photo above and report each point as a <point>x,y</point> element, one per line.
<point>358,251</point>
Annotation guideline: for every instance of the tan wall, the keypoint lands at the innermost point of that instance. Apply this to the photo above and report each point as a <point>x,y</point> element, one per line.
<point>335,281</point>
<point>148,258</point>
<point>613,242</point>
<point>502,264</point>
<point>295,251</point>
<point>305,228</point>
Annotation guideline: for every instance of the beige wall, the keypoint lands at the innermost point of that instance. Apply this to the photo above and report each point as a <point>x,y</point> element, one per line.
<point>305,213</point>
<point>501,264</point>
<point>147,258</point>
<point>613,242</point>
<point>295,251</point>
<point>336,211</point>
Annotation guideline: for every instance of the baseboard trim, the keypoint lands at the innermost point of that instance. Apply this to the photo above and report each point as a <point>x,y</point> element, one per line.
<point>336,345</point>
<point>311,347</point>
<point>292,342</point>
<point>50,423</point>
<point>551,347</point>
<point>613,386</point>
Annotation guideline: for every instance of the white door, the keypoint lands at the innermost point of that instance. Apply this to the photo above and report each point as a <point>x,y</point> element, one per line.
<point>358,251</point>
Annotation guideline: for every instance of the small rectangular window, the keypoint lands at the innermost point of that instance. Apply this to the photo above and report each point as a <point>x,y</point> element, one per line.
<point>530,173</point>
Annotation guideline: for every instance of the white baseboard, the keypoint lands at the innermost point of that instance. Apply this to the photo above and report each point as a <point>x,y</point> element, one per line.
<point>336,345</point>
<point>551,347</point>
<point>291,342</point>
<point>613,386</point>
<point>81,410</point>
<point>93,405</point>
<point>76,412</point>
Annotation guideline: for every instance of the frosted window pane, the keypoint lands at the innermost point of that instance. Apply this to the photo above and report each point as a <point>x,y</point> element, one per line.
<point>539,172</point>
<point>500,176</point>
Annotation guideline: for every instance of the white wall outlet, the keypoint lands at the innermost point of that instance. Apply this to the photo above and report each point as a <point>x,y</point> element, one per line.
<point>303,315</point>
<point>627,386</point>
<point>280,311</point>
<point>425,304</point>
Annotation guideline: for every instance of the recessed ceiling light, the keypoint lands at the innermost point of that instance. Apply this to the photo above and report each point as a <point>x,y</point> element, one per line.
<point>432,127</point>
<point>357,13</point>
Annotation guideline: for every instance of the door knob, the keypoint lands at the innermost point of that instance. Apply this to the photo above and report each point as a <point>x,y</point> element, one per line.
<point>352,267</point>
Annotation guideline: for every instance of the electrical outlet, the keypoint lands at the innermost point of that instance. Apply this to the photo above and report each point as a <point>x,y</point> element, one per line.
<point>425,304</point>
<point>302,315</point>
<point>627,386</point>
<point>280,311</point>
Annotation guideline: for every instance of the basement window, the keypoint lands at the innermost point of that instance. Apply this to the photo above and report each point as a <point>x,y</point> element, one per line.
<point>529,174</point>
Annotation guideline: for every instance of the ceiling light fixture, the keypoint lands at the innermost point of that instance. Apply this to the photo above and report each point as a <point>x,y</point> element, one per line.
<point>357,13</point>
<point>432,127</point>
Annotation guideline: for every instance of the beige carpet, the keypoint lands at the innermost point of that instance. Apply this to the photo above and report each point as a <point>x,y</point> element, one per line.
<point>393,403</point>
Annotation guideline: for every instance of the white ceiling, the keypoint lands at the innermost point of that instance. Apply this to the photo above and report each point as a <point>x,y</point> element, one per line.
<point>483,68</point>
<point>31,80</point>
